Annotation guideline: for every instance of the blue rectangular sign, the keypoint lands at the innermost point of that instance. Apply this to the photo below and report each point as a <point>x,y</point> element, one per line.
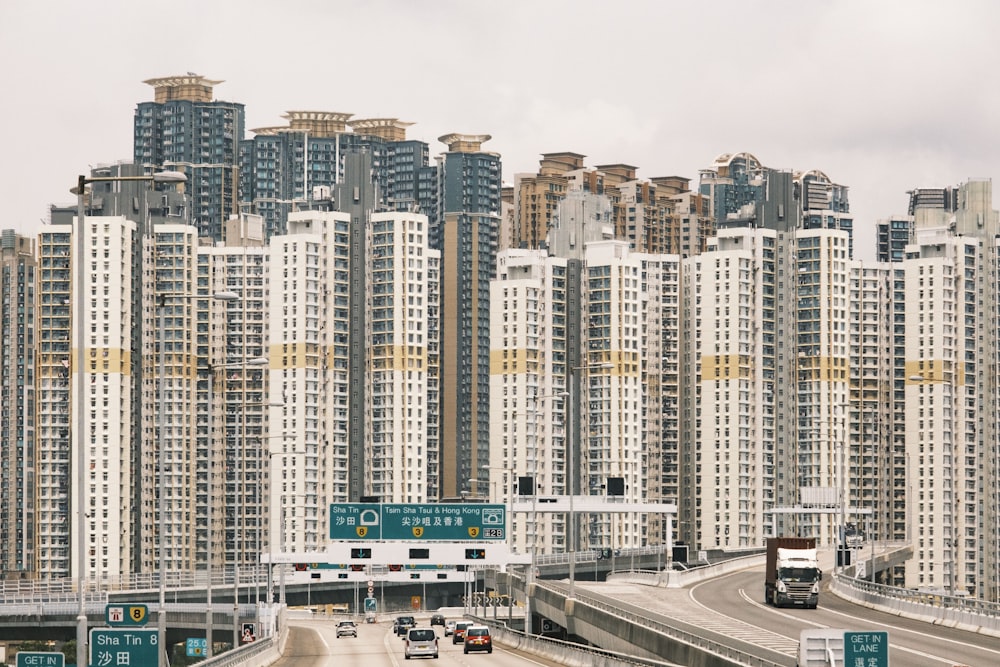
<point>197,647</point>
<point>450,522</point>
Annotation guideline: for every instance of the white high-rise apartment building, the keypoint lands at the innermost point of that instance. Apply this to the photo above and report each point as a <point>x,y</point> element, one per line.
<point>765,336</point>
<point>874,466</point>
<point>820,278</point>
<point>112,465</point>
<point>566,377</point>
<point>400,444</point>
<point>244,410</point>
<point>308,348</point>
<point>727,453</point>
<point>613,318</point>
<point>661,276</point>
<point>952,395</point>
<point>170,462</point>
<point>527,403</point>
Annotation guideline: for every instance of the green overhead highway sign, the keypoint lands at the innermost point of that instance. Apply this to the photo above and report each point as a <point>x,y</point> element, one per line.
<point>434,521</point>
<point>114,647</point>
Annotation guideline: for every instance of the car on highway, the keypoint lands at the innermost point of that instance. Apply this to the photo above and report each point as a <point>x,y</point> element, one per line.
<point>477,638</point>
<point>420,642</point>
<point>458,634</point>
<point>347,629</point>
<point>437,619</point>
<point>402,624</point>
<point>449,628</point>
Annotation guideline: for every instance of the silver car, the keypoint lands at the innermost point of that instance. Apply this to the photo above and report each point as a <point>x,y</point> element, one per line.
<point>346,629</point>
<point>420,642</point>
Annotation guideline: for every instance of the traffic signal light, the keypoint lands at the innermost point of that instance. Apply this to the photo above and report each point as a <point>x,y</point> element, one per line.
<point>475,554</point>
<point>525,486</point>
<point>616,486</point>
<point>361,553</point>
<point>414,575</point>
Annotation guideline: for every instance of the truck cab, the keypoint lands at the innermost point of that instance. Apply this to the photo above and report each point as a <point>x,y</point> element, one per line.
<point>793,574</point>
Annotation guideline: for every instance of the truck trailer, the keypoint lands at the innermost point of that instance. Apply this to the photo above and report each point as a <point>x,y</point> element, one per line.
<point>792,573</point>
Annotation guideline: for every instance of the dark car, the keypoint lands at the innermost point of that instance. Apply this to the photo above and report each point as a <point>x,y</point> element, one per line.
<point>437,619</point>
<point>404,623</point>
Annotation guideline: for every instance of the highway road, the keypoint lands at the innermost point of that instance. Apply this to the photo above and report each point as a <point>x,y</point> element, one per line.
<point>313,643</point>
<point>731,609</point>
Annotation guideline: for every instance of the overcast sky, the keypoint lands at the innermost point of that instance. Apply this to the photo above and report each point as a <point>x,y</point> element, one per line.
<point>881,96</point>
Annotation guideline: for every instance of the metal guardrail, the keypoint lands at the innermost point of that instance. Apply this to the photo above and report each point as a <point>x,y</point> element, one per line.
<point>51,590</point>
<point>951,610</point>
<point>566,653</point>
<point>728,653</point>
<point>735,656</point>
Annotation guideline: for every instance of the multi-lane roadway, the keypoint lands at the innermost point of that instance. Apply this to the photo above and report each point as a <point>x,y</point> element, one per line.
<point>314,644</point>
<point>727,609</point>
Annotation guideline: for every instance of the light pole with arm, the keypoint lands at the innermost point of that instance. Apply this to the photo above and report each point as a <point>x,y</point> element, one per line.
<point>210,492</point>
<point>532,467</point>
<point>241,364</point>
<point>79,315</point>
<point>572,444</point>
<point>161,617</point>
<point>270,501</point>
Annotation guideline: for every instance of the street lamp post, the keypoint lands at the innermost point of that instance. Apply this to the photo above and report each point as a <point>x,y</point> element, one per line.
<point>81,386</point>
<point>281,523</point>
<point>281,540</point>
<point>161,617</point>
<point>532,468</point>
<point>572,443</point>
<point>243,364</point>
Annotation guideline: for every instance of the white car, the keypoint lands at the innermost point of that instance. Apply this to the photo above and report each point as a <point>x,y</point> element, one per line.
<point>449,628</point>
<point>346,629</point>
<point>420,642</point>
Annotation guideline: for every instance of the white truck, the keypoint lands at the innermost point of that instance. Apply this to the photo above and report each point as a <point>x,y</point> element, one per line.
<point>792,573</point>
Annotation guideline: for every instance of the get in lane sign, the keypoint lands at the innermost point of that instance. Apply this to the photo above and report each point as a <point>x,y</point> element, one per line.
<point>433,521</point>
<point>40,659</point>
<point>866,649</point>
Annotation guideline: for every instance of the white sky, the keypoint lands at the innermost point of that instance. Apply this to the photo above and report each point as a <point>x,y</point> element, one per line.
<point>883,96</point>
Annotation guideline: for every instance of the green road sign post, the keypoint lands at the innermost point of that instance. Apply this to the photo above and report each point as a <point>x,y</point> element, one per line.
<point>40,659</point>
<point>450,522</point>
<point>371,604</point>
<point>866,649</point>
<point>113,647</point>
<point>126,615</point>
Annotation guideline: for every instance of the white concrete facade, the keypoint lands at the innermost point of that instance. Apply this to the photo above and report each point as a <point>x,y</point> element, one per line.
<point>110,476</point>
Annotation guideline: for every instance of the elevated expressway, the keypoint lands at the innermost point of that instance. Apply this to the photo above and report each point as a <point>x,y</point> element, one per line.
<point>701,618</point>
